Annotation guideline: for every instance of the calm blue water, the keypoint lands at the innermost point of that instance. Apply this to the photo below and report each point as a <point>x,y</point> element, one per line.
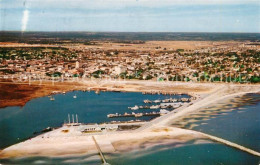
<point>196,154</point>
<point>17,124</point>
<point>189,154</point>
<point>241,125</point>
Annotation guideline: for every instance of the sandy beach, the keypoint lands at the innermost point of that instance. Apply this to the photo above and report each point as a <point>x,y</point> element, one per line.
<point>58,143</point>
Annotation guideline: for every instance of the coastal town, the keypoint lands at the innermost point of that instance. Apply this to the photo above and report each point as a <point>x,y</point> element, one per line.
<point>132,82</point>
<point>157,93</point>
<point>214,61</point>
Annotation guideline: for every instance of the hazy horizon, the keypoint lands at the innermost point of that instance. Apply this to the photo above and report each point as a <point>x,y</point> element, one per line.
<point>239,16</point>
<point>32,31</point>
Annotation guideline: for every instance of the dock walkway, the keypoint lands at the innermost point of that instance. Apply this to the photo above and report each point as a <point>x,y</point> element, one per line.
<point>100,152</point>
<point>231,144</point>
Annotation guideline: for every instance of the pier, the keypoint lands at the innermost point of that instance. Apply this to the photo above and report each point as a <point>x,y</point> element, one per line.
<point>231,144</point>
<point>134,114</point>
<point>170,100</point>
<point>100,152</point>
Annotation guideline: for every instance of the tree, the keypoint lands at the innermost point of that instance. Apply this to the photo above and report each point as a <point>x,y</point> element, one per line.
<point>255,79</point>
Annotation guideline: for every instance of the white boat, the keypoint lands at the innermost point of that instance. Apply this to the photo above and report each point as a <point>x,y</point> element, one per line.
<point>147,101</point>
<point>138,115</point>
<point>154,106</point>
<point>157,101</point>
<point>134,108</point>
<point>52,98</point>
<point>75,96</point>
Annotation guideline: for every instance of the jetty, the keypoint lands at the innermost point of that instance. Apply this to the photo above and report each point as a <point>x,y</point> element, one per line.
<point>100,152</point>
<point>231,144</point>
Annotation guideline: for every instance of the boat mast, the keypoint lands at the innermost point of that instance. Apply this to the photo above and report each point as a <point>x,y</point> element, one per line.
<point>77,120</point>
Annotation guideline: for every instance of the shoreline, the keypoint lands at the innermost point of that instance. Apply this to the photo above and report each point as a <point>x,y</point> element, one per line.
<point>18,94</point>
<point>112,141</point>
<point>56,144</point>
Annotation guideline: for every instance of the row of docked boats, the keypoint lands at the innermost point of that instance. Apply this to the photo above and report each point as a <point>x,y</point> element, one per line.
<point>170,100</point>
<point>162,105</point>
<point>74,96</point>
<point>162,112</point>
<point>161,92</point>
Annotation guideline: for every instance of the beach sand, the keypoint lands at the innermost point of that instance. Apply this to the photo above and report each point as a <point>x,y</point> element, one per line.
<point>58,143</point>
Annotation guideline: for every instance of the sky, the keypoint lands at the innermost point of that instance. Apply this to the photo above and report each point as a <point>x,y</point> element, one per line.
<point>130,15</point>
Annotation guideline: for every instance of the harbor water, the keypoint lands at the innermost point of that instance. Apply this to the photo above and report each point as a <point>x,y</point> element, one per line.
<point>19,123</point>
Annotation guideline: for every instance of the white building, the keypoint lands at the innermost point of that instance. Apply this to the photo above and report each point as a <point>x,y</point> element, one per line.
<point>119,69</point>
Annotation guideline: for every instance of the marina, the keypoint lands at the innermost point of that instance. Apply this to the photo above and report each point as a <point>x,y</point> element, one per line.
<point>72,126</point>
<point>90,107</point>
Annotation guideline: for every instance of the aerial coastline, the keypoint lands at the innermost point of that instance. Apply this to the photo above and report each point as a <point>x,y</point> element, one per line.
<point>112,141</point>
<point>206,71</point>
<point>132,82</point>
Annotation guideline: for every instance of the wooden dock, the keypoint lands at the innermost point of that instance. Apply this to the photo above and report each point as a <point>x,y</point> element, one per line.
<point>100,152</point>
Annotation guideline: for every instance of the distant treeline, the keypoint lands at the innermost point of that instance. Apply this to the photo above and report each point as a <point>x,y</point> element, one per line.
<point>125,37</point>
